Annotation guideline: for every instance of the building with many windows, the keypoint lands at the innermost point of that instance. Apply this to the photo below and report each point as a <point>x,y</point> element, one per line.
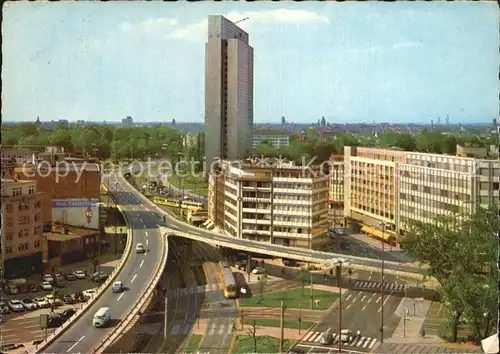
<point>336,192</point>
<point>22,237</point>
<point>387,189</point>
<point>228,91</point>
<point>277,141</point>
<point>277,203</point>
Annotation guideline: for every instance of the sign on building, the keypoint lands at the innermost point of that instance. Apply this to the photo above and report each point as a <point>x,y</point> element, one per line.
<point>76,212</point>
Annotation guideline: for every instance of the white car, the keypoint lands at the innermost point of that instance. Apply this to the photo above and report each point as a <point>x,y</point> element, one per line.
<point>140,248</point>
<point>29,304</point>
<point>4,308</point>
<point>79,274</point>
<point>41,302</point>
<point>45,285</point>
<point>48,278</point>
<point>89,293</point>
<point>16,306</point>
<point>258,270</point>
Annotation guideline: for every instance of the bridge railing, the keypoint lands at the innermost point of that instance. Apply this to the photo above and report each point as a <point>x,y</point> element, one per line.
<point>101,288</point>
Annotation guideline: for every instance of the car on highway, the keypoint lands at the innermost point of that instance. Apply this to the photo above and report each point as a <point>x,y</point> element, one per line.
<point>12,289</point>
<point>346,335</point>
<point>79,274</point>
<point>33,288</point>
<point>139,248</point>
<point>4,308</point>
<point>326,338</point>
<point>102,317</point>
<point>41,302</point>
<point>45,285</point>
<point>117,287</point>
<point>87,294</point>
<point>29,304</point>
<point>48,278</point>
<point>16,306</point>
<point>70,276</point>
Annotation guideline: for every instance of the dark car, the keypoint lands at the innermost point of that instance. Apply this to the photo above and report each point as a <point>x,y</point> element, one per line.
<point>69,299</point>
<point>66,314</point>
<point>59,283</point>
<point>33,288</point>
<point>23,289</point>
<point>55,320</point>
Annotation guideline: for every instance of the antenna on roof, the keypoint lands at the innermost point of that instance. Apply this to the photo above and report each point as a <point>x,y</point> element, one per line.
<point>246,18</point>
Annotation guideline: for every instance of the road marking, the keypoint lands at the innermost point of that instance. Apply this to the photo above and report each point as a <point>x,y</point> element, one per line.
<point>74,345</point>
<point>142,262</point>
<point>133,278</point>
<point>347,308</point>
<point>348,297</point>
<point>387,298</point>
<point>119,297</point>
<point>364,308</point>
<point>147,241</point>
<point>378,300</point>
<point>370,277</point>
<point>363,299</point>
<point>379,309</point>
<point>146,234</point>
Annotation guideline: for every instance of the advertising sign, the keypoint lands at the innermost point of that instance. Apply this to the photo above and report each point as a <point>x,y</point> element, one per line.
<point>76,212</point>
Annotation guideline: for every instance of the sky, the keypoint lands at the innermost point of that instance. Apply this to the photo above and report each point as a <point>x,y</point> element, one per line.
<point>349,62</point>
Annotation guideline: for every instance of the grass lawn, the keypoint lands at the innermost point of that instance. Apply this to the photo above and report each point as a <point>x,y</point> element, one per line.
<point>274,322</point>
<point>194,184</point>
<point>265,344</point>
<point>193,343</point>
<point>293,299</point>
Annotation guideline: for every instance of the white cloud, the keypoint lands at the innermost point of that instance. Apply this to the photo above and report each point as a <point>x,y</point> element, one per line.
<point>198,31</point>
<point>157,25</point>
<point>404,45</point>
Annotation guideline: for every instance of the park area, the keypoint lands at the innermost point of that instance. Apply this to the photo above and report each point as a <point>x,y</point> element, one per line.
<point>194,184</point>
<point>262,344</point>
<point>295,298</point>
<point>276,322</point>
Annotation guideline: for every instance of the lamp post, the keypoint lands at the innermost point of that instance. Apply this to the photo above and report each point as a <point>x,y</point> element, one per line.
<point>384,226</point>
<point>338,270</point>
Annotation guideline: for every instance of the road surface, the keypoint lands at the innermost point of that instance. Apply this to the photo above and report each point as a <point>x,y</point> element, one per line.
<point>136,274</point>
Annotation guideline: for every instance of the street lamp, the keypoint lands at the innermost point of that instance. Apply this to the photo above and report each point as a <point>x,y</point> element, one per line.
<point>338,270</point>
<point>384,226</point>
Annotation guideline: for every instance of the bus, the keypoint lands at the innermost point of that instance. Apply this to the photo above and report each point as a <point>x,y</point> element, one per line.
<point>228,282</point>
<point>184,204</point>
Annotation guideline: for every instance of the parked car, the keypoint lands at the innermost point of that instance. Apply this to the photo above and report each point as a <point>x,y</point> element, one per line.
<point>29,304</point>
<point>58,276</point>
<point>41,302</point>
<point>99,277</point>
<point>117,287</point>
<point>87,294</point>
<point>16,306</point>
<point>258,270</point>
<point>48,278</point>
<point>54,320</point>
<point>79,274</point>
<point>12,289</point>
<point>346,335</point>
<point>51,299</point>
<point>33,288</point>
<point>69,299</point>
<point>45,285</point>
<point>59,283</point>
<point>4,308</point>
<point>70,276</point>
<point>66,314</point>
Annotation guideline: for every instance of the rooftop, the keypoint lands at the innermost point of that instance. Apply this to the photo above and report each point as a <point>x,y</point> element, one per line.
<point>74,233</point>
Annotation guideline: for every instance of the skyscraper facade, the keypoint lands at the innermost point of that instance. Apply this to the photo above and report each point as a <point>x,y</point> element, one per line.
<point>228,91</point>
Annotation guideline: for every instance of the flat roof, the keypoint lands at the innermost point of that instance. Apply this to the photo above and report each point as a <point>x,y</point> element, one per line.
<point>19,181</point>
<point>55,236</point>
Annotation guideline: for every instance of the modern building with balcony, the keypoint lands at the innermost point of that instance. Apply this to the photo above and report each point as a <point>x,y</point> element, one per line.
<point>277,203</point>
<point>21,247</point>
<point>336,192</point>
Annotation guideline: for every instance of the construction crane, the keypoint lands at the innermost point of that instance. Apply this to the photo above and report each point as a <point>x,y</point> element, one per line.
<point>246,18</point>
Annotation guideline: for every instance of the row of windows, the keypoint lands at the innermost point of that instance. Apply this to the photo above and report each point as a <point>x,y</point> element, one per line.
<point>22,206</point>
<point>442,206</point>
<point>388,214</point>
<point>22,247</point>
<point>294,230</point>
<point>437,192</point>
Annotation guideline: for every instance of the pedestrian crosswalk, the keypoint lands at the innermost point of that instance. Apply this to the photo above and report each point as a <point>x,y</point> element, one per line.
<point>223,329</point>
<point>194,290</point>
<point>376,285</point>
<point>361,342</point>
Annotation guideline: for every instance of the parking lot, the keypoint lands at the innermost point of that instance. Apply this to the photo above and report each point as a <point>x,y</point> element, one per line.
<point>24,326</point>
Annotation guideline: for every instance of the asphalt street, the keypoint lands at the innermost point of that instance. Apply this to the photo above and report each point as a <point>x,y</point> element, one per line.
<point>136,274</point>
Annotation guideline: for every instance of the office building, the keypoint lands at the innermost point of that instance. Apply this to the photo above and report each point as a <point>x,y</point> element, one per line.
<point>228,91</point>
<point>386,190</point>
<point>336,191</point>
<point>279,203</point>
<point>22,221</point>
<point>277,141</point>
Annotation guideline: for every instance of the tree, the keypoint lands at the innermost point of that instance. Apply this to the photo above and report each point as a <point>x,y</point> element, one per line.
<point>460,253</point>
<point>252,332</point>
<point>303,278</point>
